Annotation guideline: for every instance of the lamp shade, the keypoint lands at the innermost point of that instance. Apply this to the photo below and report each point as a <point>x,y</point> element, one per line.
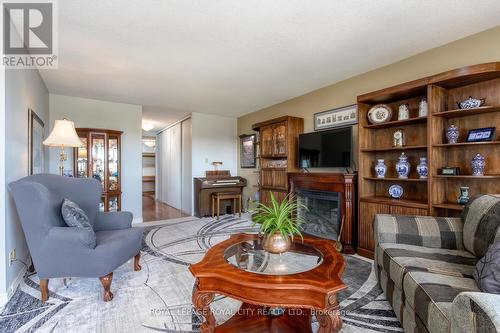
<point>63,135</point>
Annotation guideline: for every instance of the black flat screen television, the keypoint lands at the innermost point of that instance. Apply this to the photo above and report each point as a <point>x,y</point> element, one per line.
<point>326,149</point>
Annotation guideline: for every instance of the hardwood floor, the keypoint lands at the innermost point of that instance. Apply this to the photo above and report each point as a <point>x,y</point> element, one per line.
<point>153,210</point>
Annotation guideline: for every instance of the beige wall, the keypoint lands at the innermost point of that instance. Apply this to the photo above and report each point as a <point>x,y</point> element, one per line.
<point>475,49</point>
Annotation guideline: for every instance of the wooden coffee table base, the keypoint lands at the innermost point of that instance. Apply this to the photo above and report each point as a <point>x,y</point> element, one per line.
<point>301,295</point>
<point>257,319</point>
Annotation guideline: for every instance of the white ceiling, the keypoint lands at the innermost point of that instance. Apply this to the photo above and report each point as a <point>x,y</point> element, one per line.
<point>160,117</point>
<point>232,57</point>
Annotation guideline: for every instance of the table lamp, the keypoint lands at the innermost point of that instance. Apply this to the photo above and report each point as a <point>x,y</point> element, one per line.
<point>63,135</point>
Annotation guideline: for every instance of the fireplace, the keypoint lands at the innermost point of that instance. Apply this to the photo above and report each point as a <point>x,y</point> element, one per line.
<point>330,198</point>
<point>321,213</point>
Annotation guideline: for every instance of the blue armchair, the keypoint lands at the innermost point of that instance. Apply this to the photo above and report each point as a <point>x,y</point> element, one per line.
<point>61,251</point>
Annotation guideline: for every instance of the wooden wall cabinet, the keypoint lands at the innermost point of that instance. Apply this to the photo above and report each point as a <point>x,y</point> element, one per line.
<point>278,154</point>
<point>425,137</point>
<point>100,158</point>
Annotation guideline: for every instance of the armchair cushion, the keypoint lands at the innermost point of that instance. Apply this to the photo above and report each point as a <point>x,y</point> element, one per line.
<point>75,217</point>
<point>481,223</point>
<point>435,232</point>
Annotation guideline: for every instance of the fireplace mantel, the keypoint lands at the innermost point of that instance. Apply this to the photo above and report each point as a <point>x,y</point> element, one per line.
<point>343,183</point>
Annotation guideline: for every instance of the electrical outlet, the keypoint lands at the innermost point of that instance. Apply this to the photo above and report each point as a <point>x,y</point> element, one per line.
<point>12,256</point>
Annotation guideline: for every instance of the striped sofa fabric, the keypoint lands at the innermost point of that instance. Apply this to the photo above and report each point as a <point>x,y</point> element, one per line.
<point>425,264</point>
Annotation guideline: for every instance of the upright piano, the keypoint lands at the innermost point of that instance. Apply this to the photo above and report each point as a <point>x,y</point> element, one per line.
<point>214,181</point>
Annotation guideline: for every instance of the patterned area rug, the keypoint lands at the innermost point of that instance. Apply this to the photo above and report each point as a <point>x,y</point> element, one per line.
<point>158,298</point>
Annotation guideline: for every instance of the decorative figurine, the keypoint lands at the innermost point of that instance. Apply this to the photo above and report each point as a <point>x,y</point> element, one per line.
<point>422,169</point>
<point>398,138</point>
<point>403,167</point>
<point>380,168</point>
<point>422,107</point>
<point>396,191</point>
<point>452,134</point>
<point>478,164</point>
<point>464,195</point>
<point>470,103</point>
<point>404,111</point>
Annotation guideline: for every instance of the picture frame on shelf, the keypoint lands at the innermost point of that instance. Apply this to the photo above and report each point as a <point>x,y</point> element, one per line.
<point>481,134</point>
<point>339,117</point>
<point>36,135</point>
<point>450,171</point>
<point>247,151</point>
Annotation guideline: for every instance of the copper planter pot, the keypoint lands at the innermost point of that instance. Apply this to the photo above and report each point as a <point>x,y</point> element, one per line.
<point>276,243</point>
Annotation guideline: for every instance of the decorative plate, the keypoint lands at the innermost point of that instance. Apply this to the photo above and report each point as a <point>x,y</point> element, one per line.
<point>396,191</point>
<point>379,113</point>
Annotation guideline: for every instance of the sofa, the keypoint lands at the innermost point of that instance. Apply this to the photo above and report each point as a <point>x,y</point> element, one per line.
<point>425,267</point>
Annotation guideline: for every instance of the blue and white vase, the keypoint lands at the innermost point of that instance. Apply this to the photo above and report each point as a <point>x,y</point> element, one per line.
<point>422,169</point>
<point>452,134</point>
<point>380,169</point>
<point>403,167</point>
<point>478,165</point>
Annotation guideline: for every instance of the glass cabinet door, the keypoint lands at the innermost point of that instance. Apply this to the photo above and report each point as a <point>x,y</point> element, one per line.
<point>113,163</point>
<point>98,157</point>
<point>82,160</point>
<point>102,208</point>
<point>113,204</point>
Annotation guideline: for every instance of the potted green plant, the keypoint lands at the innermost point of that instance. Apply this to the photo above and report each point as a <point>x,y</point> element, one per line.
<point>278,222</point>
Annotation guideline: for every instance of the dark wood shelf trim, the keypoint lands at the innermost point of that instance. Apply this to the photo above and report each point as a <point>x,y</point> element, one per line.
<point>467,112</point>
<point>398,123</point>
<point>274,169</point>
<point>462,144</point>
<point>420,180</point>
<point>446,205</point>
<point>276,156</point>
<point>148,154</point>
<point>396,202</point>
<point>367,150</point>
<point>469,176</point>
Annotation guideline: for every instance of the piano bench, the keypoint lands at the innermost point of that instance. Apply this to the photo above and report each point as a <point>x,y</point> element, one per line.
<point>218,196</point>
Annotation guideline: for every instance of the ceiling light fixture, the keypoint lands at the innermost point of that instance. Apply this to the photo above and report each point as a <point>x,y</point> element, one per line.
<point>147,126</point>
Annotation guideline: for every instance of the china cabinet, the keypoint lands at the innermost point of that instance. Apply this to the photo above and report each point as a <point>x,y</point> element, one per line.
<point>100,158</point>
<point>278,154</point>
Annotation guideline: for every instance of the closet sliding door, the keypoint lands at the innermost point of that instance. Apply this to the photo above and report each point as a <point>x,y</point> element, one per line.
<point>187,179</point>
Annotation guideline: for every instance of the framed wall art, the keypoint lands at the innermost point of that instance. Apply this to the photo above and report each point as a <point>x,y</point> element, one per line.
<point>340,117</point>
<point>247,151</point>
<point>36,132</point>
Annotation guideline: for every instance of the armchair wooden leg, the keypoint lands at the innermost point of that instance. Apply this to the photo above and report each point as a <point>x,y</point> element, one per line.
<point>137,265</point>
<point>44,288</point>
<point>106,283</point>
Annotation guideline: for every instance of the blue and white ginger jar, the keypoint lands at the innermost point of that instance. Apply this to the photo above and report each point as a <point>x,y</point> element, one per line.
<point>422,169</point>
<point>380,169</point>
<point>478,165</point>
<point>403,167</point>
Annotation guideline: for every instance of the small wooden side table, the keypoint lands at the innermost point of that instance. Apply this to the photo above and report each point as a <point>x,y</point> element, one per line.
<point>218,196</point>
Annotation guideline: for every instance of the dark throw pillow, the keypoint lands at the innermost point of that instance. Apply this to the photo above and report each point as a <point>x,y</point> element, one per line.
<point>487,272</point>
<point>75,217</point>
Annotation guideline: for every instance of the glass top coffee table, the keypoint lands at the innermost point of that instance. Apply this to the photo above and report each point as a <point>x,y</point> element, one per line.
<point>251,257</point>
<point>303,281</point>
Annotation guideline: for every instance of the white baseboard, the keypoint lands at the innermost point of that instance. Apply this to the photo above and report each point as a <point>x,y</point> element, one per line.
<point>137,220</point>
<point>4,297</point>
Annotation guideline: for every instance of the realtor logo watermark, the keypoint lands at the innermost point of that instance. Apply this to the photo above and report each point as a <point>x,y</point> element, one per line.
<point>29,31</point>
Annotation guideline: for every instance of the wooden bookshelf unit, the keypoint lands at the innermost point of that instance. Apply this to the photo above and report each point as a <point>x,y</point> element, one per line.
<point>425,137</point>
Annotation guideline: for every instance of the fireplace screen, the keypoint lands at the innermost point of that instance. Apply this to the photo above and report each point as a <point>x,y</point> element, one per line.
<point>322,218</point>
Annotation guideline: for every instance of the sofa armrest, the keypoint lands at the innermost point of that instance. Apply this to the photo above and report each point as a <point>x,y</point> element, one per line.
<point>475,312</point>
<point>428,231</point>
<point>113,221</point>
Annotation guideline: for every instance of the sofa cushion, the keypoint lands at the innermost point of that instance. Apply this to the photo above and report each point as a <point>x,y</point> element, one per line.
<point>398,259</point>
<point>481,223</point>
<point>75,217</point>
<point>431,296</point>
<point>487,272</point>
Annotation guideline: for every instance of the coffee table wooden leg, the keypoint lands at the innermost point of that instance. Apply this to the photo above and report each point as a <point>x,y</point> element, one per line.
<point>329,320</point>
<point>201,302</point>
